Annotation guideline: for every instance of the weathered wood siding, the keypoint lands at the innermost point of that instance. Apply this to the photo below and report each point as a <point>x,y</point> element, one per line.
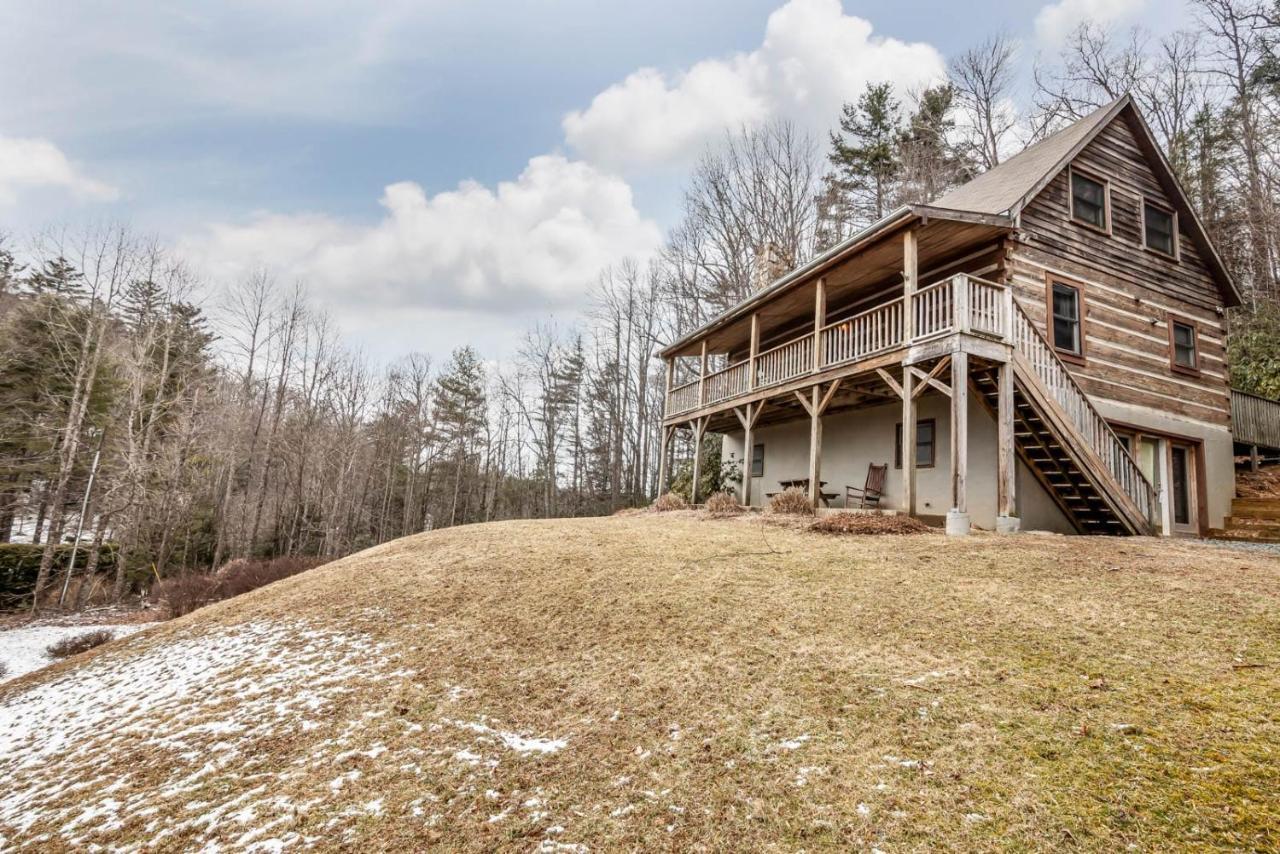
<point>1255,420</point>
<point>1128,290</point>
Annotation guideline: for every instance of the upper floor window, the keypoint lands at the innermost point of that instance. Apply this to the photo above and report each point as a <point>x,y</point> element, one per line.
<point>1183,349</point>
<point>1088,200</point>
<point>1064,307</point>
<point>1159,228</point>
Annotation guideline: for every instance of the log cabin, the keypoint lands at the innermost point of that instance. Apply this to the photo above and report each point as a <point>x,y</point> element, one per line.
<point>1042,347</point>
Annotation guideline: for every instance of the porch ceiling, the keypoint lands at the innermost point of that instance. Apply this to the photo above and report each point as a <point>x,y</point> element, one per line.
<point>877,263</point>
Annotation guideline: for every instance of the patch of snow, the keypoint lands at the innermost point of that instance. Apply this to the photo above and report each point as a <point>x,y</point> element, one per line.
<point>22,650</point>
<point>521,744</point>
<point>794,743</point>
<point>254,681</point>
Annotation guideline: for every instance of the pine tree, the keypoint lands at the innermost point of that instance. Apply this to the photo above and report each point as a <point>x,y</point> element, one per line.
<point>142,303</point>
<point>865,156</point>
<point>930,163</point>
<point>460,417</point>
<point>57,276</point>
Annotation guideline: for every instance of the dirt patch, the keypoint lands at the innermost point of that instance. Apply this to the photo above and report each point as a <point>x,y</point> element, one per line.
<point>870,524</point>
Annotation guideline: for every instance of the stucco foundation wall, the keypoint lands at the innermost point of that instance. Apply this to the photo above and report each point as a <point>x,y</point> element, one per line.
<point>1219,461</point>
<point>853,440</point>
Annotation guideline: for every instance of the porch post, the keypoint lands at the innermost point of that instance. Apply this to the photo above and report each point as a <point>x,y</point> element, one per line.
<point>747,449</point>
<point>1007,521</point>
<point>910,279</point>
<point>697,462</point>
<point>1254,462</point>
<point>671,375</point>
<point>958,517</point>
<point>908,441</point>
<point>754,351</point>
<point>662,460</point>
<point>702,375</point>
<point>815,447</point>
<point>819,320</point>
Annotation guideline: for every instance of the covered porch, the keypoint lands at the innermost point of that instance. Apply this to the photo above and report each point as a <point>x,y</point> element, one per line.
<point>883,321</point>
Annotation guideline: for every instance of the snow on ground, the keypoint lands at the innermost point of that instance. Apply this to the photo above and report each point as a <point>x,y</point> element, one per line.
<point>22,650</point>
<point>177,744</point>
<point>192,701</point>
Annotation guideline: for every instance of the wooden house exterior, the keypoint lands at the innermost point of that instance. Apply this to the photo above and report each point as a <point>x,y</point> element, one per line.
<point>1051,333</point>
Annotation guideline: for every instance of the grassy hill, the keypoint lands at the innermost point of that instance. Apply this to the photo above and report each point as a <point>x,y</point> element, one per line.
<point>674,682</point>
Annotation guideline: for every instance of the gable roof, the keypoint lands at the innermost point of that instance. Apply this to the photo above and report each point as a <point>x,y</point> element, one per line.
<point>1008,188</point>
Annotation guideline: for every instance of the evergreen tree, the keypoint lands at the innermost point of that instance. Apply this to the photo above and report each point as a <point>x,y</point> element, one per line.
<point>57,276</point>
<point>931,164</point>
<point>867,166</point>
<point>461,410</point>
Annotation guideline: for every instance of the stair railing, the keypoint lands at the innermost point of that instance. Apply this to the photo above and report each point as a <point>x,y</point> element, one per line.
<point>1066,392</point>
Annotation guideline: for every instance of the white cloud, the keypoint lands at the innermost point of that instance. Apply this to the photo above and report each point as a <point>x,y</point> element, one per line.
<point>1057,20</point>
<point>37,163</point>
<point>813,58</point>
<point>536,242</point>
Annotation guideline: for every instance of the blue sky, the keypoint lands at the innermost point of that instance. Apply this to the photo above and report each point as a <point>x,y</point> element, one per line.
<point>437,172</point>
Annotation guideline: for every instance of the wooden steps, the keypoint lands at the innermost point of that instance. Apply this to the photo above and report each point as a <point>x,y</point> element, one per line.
<point>1049,457</point>
<point>1251,520</point>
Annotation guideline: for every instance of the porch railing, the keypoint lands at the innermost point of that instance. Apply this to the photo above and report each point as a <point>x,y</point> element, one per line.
<point>874,331</point>
<point>785,362</point>
<point>932,307</point>
<point>729,382</point>
<point>682,398</point>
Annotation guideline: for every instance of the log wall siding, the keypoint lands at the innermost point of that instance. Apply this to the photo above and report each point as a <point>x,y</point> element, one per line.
<point>1128,291</point>
<point>1115,156</point>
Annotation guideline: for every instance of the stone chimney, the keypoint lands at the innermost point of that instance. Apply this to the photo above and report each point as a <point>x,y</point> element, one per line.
<point>770,264</point>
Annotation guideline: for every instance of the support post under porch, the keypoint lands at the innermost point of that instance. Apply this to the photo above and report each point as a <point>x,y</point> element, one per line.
<point>699,427</point>
<point>1007,521</point>
<point>663,470</point>
<point>748,419</point>
<point>815,448</point>
<point>908,443</point>
<point>958,516</point>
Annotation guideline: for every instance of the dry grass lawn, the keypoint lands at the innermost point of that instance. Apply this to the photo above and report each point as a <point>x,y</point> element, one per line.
<point>666,681</point>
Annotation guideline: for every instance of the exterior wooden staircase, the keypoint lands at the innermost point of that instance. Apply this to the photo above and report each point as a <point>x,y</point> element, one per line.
<point>1067,444</point>
<point>1251,520</point>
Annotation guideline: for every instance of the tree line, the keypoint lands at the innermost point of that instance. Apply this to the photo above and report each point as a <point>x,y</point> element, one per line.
<point>240,426</point>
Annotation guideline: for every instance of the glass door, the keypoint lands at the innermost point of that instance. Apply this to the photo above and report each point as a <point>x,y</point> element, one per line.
<point>1182,485</point>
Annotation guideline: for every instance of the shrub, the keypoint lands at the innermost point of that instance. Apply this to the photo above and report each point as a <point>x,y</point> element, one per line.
<point>723,504</point>
<point>77,644</point>
<point>241,576</point>
<point>868,523</point>
<point>182,594</point>
<point>668,502</point>
<point>793,502</point>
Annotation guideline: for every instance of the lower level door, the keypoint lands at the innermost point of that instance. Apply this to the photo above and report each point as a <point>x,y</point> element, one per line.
<point>1182,486</point>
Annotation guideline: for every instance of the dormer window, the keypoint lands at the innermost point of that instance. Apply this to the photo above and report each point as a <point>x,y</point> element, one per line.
<point>1088,200</point>
<point>1160,229</point>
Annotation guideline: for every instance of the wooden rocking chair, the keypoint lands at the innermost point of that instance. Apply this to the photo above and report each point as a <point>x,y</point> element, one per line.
<point>872,491</point>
